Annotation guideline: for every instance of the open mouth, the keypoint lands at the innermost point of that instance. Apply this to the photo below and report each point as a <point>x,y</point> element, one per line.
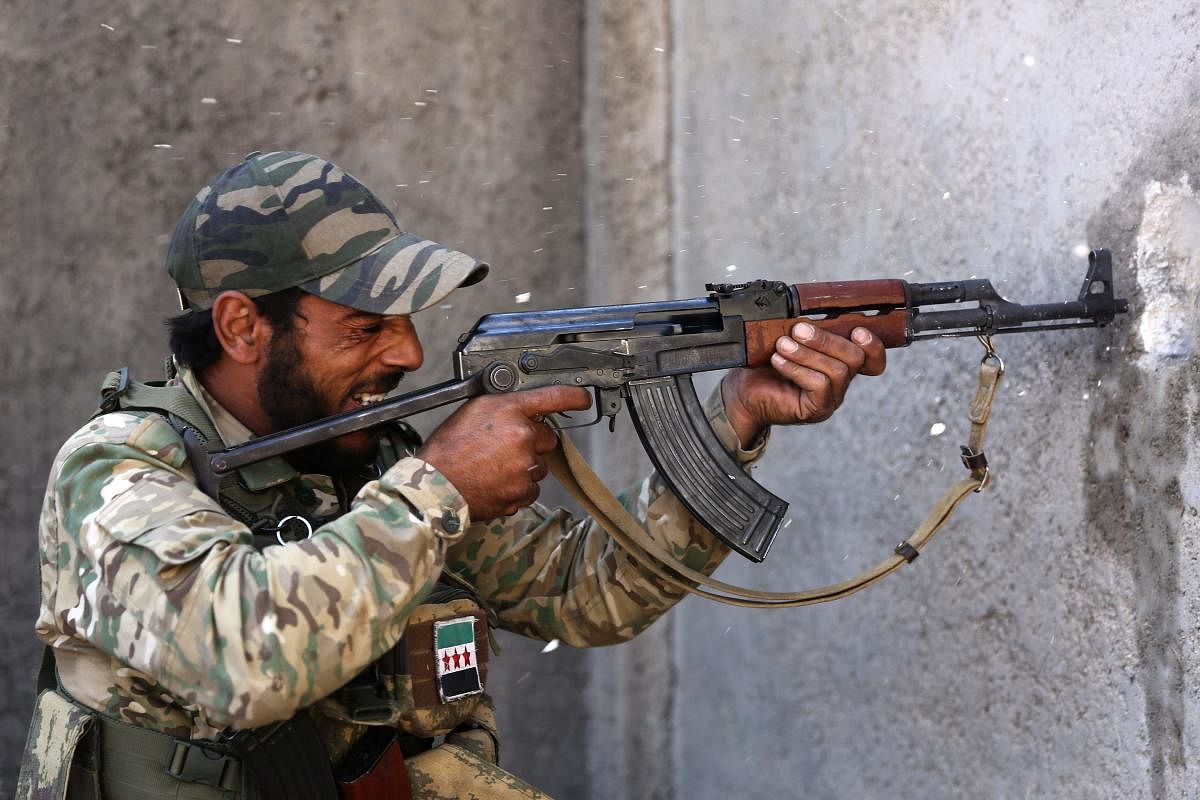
<point>376,391</point>
<point>367,398</point>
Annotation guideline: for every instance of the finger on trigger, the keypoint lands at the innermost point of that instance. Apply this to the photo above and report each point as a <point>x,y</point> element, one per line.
<point>552,399</point>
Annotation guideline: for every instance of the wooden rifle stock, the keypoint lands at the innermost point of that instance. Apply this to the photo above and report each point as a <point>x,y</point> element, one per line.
<point>374,769</point>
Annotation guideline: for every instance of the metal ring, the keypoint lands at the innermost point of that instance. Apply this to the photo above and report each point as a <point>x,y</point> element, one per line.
<point>282,522</point>
<point>990,350</point>
<point>987,477</point>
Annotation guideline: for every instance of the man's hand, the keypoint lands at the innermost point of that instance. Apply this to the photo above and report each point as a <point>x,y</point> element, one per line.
<point>805,381</point>
<point>491,448</point>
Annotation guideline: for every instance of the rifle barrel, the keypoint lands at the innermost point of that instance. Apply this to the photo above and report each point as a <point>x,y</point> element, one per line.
<point>1001,317</point>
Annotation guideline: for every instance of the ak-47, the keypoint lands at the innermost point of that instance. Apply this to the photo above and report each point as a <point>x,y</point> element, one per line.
<point>644,354</point>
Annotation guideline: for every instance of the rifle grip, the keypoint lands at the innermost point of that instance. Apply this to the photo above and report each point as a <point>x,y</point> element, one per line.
<point>691,460</point>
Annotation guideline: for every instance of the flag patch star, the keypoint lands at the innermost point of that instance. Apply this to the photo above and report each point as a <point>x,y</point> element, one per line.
<point>455,658</point>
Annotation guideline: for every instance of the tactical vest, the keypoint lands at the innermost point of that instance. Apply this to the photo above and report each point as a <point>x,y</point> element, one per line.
<point>402,689</point>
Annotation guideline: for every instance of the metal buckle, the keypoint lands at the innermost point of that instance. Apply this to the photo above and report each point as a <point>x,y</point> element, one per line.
<point>990,351</point>
<point>194,763</point>
<point>975,461</point>
<point>972,460</point>
<point>907,551</point>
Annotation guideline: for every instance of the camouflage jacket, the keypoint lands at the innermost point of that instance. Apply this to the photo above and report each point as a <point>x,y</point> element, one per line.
<point>162,613</point>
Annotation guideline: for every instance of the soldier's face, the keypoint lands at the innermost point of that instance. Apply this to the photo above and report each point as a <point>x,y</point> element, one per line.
<point>335,359</point>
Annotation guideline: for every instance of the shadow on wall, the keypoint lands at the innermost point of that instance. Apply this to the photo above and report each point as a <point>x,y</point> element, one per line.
<point>1142,484</point>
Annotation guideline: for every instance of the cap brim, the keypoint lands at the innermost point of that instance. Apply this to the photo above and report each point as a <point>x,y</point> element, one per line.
<point>403,276</point>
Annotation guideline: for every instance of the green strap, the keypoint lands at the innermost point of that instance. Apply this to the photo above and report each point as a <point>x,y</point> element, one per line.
<point>174,400</point>
<point>119,392</point>
<point>142,764</point>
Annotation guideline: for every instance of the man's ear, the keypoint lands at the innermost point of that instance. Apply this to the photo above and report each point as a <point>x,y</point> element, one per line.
<point>243,333</point>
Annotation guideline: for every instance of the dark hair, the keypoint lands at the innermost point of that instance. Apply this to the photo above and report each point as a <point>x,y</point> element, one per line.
<point>194,340</point>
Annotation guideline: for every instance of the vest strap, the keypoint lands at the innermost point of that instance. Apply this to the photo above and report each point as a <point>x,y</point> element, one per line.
<point>176,401</point>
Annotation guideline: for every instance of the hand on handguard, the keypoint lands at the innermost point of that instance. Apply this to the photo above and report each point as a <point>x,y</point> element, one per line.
<point>805,382</point>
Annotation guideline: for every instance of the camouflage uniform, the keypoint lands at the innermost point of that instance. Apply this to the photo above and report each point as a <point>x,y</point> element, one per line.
<point>163,614</point>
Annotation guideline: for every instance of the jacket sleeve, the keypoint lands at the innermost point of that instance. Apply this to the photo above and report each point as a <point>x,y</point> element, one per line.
<point>148,569</point>
<point>551,575</point>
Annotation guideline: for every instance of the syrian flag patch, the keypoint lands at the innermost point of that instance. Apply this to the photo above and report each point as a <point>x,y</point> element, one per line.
<point>454,654</point>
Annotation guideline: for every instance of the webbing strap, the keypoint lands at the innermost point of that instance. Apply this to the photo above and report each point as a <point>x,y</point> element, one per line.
<point>573,472</point>
<point>144,764</point>
<point>174,400</point>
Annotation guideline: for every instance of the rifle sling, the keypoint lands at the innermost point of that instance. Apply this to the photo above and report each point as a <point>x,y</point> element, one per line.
<point>576,475</point>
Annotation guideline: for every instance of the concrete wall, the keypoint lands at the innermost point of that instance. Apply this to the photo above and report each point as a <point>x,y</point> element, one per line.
<point>627,224</point>
<point>463,116</point>
<point>1042,647</point>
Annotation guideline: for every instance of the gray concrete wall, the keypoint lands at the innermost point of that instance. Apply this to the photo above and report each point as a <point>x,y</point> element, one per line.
<point>463,116</point>
<point>1044,645</point>
<point>627,225</point>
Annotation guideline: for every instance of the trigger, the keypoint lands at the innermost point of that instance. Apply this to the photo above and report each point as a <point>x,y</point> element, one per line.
<point>608,404</point>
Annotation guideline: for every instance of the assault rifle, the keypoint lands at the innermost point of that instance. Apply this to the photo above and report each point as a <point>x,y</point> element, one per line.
<point>644,354</point>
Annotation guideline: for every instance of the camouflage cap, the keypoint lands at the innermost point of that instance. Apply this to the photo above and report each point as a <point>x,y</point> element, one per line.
<point>287,219</point>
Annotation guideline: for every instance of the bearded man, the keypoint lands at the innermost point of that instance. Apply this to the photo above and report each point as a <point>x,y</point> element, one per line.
<point>326,615</point>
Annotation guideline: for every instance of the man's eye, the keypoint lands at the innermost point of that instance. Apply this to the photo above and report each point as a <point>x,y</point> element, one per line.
<point>376,328</point>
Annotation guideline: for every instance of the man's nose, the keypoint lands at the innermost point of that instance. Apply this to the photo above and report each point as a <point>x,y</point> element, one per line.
<point>401,349</point>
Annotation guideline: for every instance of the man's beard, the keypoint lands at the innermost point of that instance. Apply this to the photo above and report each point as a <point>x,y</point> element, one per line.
<point>290,397</point>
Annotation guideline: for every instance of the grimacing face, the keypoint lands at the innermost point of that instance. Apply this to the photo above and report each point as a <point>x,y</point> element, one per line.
<point>334,359</point>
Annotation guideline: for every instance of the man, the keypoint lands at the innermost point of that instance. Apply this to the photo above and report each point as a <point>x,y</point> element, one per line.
<point>325,614</point>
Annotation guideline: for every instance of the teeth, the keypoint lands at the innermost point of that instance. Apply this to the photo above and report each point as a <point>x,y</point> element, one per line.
<point>368,399</point>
